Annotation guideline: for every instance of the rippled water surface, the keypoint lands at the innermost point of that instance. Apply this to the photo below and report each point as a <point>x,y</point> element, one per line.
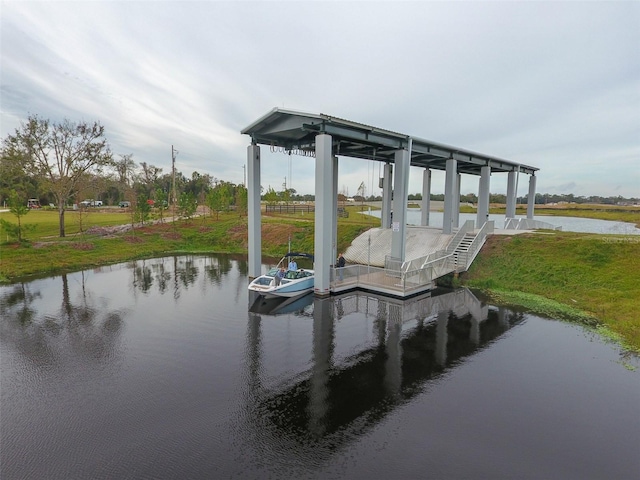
<point>166,369</point>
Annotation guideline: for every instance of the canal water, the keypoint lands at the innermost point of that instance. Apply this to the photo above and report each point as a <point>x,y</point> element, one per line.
<point>568,224</point>
<point>166,368</point>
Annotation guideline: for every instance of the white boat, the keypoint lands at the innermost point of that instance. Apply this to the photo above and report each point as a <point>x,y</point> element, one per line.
<point>295,282</point>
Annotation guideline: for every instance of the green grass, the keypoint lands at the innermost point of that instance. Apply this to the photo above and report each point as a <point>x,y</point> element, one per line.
<point>591,276</point>
<point>46,253</point>
<point>47,222</point>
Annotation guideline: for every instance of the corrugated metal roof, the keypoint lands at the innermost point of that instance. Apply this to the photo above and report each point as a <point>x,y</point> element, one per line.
<point>295,132</point>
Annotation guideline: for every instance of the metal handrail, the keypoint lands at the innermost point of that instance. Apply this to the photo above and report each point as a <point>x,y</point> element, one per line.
<point>528,224</point>
<point>477,243</point>
<point>457,238</point>
<point>411,275</point>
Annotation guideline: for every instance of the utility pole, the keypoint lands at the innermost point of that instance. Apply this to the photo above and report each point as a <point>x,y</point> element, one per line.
<point>173,176</point>
<point>244,175</point>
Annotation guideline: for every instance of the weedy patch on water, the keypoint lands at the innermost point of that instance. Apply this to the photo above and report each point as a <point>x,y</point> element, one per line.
<point>543,306</point>
<point>552,309</point>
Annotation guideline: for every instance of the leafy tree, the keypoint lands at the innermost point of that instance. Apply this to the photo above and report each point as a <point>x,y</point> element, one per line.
<point>19,208</point>
<point>149,178</point>
<point>60,154</point>
<point>242,199</point>
<point>187,204</point>
<point>220,197</point>
<point>199,185</point>
<point>214,202</point>
<point>271,197</point>
<point>14,176</point>
<point>161,204</point>
<point>142,209</point>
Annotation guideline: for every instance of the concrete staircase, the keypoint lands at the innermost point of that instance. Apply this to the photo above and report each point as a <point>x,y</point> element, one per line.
<point>462,254</point>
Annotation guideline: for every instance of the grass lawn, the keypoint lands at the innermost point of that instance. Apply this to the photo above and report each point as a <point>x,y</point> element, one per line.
<point>590,275</point>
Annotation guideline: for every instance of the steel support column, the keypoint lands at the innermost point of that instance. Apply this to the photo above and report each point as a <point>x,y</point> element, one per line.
<point>456,209</point>
<point>334,212</point>
<point>386,196</point>
<point>426,197</point>
<point>449,194</point>
<point>253,212</point>
<point>511,195</point>
<point>483,196</point>
<point>531,199</point>
<point>400,192</point>
<point>323,215</point>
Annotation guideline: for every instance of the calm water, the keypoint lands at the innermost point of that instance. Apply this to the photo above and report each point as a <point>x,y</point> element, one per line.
<point>166,369</point>
<point>568,224</point>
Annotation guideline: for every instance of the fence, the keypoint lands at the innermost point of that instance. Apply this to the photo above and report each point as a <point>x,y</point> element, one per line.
<point>290,208</point>
<point>299,208</point>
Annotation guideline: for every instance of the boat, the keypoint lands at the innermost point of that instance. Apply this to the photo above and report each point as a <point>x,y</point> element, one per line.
<point>295,282</point>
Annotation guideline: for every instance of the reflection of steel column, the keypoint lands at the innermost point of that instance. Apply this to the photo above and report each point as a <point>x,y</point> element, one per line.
<point>380,324</point>
<point>474,334</point>
<point>393,364</point>
<point>253,352</point>
<point>322,355</point>
<point>502,318</point>
<point>442,337</point>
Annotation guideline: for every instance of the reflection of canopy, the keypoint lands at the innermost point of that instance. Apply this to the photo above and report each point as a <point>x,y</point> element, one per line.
<point>366,386</point>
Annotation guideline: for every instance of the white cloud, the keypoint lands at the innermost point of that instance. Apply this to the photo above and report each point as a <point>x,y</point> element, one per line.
<point>550,84</point>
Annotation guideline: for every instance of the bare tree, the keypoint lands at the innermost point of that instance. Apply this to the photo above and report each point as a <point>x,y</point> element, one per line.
<point>62,154</point>
<point>125,168</point>
<point>149,176</point>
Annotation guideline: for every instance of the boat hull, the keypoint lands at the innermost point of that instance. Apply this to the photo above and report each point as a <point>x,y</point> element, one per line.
<point>289,287</point>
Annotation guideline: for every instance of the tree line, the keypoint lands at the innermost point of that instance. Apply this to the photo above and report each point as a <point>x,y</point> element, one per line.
<point>64,163</point>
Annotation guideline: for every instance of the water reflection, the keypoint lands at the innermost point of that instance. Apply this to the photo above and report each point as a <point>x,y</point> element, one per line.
<point>415,342</point>
<point>166,368</point>
<point>82,323</point>
<point>302,305</point>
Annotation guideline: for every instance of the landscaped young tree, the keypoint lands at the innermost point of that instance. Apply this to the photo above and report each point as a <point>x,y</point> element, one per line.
<point>242,199</point>
<point>19,208</point>
<point>187,204</point>
<point>271,197</point>
<point>142,209</point>
<point>161,204</point>
<point>220,197</point>
<point>61,154</point>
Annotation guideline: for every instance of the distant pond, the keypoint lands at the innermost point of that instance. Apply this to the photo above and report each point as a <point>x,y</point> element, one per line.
<point>568,224</point>
<point>166,368</point>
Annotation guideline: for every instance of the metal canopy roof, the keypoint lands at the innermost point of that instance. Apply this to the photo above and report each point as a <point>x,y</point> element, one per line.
<point>295,132</point>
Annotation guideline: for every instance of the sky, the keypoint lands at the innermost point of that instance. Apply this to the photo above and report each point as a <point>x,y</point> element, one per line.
<point>554,85</point>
